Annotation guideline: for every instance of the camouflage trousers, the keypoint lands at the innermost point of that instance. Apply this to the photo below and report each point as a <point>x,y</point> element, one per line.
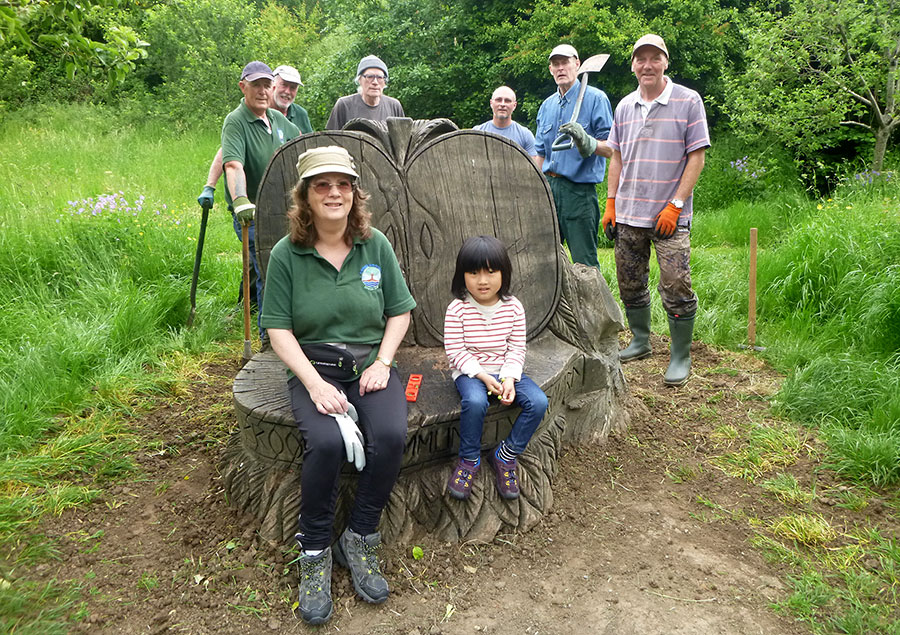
<point>674,258</point>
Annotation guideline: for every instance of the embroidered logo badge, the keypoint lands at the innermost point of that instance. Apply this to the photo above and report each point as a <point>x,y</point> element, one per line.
<point>281,135</point>
<point>370,276</point>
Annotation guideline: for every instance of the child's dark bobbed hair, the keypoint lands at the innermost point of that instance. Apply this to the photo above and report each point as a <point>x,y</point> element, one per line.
<point>477,253</point>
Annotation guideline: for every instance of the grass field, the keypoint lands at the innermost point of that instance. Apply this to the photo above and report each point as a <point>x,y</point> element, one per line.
<point>99,230</point>
<point>99,227</point>
<point>828,310</point>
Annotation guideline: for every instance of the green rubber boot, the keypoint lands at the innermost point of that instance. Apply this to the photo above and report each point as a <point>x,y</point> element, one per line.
<point>681,331</point>
<point>639,323</point>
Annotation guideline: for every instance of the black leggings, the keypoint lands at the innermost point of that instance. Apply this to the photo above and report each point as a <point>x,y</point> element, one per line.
<point>382,420</point>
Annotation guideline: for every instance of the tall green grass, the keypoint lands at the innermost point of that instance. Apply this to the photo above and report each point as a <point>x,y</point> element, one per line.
<point>833,284</point>
<point>98,230</point>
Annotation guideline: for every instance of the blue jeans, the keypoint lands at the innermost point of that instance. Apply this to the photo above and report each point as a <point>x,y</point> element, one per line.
<point>253,263</point>
<point>474,401</point>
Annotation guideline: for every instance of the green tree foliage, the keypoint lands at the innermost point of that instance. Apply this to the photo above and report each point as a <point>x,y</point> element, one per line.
<point>86,36</point>
<point>198,48</point>
<point>700,35</point>
<point>283,36</point>
<point>819,72</point>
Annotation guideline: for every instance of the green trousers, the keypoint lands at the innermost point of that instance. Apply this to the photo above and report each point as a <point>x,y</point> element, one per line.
<point>578,213</point>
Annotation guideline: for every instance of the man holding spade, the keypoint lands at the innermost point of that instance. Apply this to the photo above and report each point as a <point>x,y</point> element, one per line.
<point>574,169</point>
<point>283,94</point>
<point>659,140</point>
<point>251,134</point>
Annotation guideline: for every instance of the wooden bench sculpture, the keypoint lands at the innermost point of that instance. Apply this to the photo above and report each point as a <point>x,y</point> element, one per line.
<point>431,187</point>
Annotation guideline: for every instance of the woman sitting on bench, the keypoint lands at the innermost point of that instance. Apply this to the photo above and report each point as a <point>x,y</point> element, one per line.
<point>336,307</point>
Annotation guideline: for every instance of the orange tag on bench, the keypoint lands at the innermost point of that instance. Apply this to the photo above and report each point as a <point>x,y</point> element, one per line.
<point>412,387</point>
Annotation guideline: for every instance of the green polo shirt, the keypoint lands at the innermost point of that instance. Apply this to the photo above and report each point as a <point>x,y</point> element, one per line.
<point>306,294</point>
<point>298,116</point>
<point>246,139</point>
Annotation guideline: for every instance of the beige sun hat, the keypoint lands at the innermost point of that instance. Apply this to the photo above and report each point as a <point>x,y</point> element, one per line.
<point>325,159</point>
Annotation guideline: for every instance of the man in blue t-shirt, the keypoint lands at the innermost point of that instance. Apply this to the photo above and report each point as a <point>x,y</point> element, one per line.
<point>503,103</point>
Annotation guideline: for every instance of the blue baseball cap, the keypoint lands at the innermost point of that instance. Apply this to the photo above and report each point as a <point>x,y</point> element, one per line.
<point>256,70</point>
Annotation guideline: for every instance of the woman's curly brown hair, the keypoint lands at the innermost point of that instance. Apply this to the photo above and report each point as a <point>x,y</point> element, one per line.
<point>302,228</point>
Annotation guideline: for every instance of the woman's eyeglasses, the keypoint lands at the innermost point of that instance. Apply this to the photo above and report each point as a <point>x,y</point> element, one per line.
<point>323,188</point>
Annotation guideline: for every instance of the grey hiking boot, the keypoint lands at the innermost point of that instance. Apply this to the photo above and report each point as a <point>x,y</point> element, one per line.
<point>315,587</point>
<point>358,553</point>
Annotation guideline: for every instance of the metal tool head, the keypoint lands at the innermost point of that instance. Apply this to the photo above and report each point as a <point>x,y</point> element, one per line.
<point>593,64</point>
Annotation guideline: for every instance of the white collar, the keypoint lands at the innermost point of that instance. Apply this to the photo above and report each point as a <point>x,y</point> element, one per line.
<point>662,98</point>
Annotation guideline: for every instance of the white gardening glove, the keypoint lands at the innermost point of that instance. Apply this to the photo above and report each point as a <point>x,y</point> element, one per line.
<point>353,439</point>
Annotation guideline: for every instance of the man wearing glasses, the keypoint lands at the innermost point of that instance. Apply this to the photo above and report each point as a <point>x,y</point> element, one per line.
<point>369,100</point>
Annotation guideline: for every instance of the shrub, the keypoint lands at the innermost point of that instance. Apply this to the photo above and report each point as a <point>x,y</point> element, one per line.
<point>282,37</point>
<point>197,50</point>
<point>736,171</point>
<point>15,71</point>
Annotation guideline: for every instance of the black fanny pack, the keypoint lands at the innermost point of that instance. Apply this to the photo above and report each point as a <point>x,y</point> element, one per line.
<point>332,361</point>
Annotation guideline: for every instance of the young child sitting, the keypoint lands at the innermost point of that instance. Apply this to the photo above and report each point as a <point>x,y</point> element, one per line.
<point>484,337</point>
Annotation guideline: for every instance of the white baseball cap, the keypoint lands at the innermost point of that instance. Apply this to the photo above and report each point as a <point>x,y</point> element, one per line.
<point>288,74</point>
<point>564,50</point>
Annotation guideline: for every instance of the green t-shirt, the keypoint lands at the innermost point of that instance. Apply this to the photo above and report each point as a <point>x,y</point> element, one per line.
<point>306,294</point>
<point>298,116</point>
<point>246,139</point>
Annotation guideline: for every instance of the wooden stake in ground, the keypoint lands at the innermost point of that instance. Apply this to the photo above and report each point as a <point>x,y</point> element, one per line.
<point>245,240</point>
<point>751,324</point>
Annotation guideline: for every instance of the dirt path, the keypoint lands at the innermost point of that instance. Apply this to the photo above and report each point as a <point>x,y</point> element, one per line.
<point>639,539</point>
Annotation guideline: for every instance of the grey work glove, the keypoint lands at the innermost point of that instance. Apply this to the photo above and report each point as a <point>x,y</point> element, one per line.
<point>584,143</point>
<point>353,438</point>
<point>244,210</point>
<point>206,196</point>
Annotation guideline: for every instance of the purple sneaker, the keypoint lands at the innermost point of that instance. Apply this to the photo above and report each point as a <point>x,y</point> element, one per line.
<point>507,482</point>
<point>462,478</point>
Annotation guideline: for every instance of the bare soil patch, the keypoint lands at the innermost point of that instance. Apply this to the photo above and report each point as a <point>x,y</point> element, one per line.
<point>632,545</point>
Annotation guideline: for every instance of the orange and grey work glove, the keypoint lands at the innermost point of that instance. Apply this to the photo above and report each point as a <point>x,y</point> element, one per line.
<point>244,210</point>
<point>667,221</point>
<point>608,222</point>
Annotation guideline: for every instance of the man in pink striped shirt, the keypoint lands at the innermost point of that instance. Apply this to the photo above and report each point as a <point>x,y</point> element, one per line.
<point>659,139</point>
